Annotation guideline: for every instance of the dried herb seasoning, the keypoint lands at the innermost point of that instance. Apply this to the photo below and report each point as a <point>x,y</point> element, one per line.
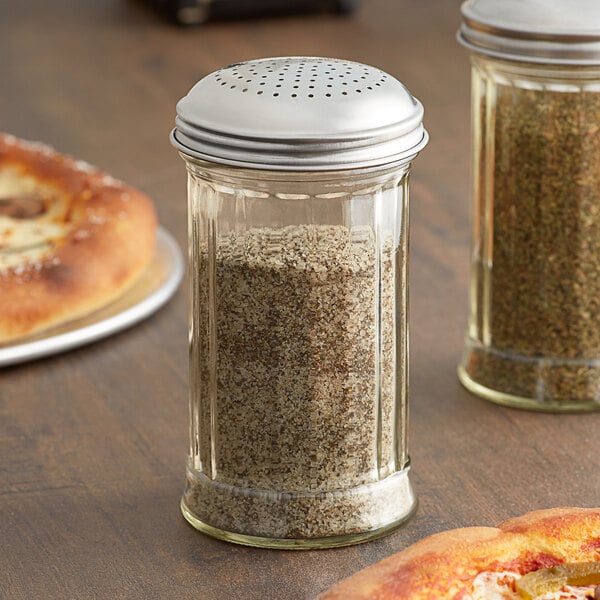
<point>297,391</point>
<point>537,296</point>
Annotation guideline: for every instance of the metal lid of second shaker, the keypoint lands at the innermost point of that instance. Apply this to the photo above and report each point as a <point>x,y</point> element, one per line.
<point>539,31</point>
<point>299,113</point>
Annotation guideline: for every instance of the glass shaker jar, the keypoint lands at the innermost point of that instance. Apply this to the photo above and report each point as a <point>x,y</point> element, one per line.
<point>534,326</point>
<point>298,248</point>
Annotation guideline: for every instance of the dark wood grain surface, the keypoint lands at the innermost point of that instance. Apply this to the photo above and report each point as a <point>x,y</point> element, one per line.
<point>93,442</point>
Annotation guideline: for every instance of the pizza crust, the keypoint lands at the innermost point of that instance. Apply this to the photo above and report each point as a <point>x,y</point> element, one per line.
<point>93,238</point>
<point>445,565</point>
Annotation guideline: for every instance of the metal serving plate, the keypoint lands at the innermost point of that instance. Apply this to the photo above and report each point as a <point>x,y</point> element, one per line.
<point>154,288</point>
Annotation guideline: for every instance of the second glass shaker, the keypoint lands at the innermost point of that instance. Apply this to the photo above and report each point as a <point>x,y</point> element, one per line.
<point>534,330</point>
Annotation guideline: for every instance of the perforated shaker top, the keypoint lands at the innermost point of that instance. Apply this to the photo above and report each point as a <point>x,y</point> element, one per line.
<point>299,113</point>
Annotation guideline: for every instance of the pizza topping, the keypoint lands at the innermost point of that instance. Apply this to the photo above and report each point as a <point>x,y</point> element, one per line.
<point>555,579</point>
<point>531,561</point>
<point>573,581</point>
<point>29,244</point>
<point>591,545</point>
<point>34,220</point>
<point>26,206</point>
<point>494,586</point>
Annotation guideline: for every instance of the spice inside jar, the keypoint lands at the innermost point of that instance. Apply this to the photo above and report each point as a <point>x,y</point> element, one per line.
<point>544,280</point>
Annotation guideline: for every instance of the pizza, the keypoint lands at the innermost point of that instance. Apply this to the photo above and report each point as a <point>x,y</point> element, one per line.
<point>544,555</point>
<point>72,238</point>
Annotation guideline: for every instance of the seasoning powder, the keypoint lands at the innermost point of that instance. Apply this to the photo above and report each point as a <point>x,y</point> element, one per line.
<point>294,418</point>
<point>543,306</point>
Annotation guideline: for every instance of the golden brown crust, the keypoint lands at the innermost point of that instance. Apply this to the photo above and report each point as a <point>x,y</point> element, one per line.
<point>444,565</point>
<point>110,240</point>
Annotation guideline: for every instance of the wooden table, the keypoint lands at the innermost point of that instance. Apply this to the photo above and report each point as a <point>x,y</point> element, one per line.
<point>93,442</point>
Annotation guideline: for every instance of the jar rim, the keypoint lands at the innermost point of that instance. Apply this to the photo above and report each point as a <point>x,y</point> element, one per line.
<point>543,39</point>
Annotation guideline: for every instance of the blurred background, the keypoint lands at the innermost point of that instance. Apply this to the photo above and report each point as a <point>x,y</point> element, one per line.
<point>87,75</point>
<point>99,80</point>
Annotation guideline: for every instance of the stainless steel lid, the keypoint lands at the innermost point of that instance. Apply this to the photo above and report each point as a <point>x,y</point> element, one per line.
<point>539,31</point>
<point>297,113</point>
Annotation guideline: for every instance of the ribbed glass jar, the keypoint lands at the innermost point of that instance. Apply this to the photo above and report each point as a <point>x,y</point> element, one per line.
<point>298,354</point>
<point>534,325</point>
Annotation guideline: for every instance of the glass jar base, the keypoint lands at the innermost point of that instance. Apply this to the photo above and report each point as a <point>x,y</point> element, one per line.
<point>289,543</point>
<point>303,519</point>
<point>514,401</point>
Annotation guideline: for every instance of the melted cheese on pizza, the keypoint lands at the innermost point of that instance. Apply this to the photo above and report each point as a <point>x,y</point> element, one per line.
<point>33,219</point>
<point>501,586</point>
